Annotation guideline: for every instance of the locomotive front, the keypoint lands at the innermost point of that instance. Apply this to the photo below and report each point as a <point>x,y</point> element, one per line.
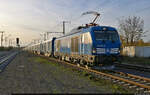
<point>106,45</point>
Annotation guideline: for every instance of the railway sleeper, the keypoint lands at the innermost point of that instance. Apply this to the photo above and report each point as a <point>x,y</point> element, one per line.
<point>140,92</point>
<point>139,89</point>
<point>105,77</point>
<point>127,77</point>
<point>127,84</point>
<point>148,83</point>
<point>100,76</point>
<point>115,81</point>
<point>121,82</point>
<point>133,86</point>
<point>133,78</point>
<point>138,79</point>
<point>108,78</point>
<point>147,91</point>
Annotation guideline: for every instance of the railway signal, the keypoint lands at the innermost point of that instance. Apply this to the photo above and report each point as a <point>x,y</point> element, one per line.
<point>2,38</point>
<point>17,41</point>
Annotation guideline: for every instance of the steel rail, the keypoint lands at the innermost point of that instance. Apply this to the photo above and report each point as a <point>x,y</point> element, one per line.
<point>113,76</point>
<point>2,57</point>
<point>135,67</point>
<point>135,76</point>
<point>116,77</point>
<point>6,58</point>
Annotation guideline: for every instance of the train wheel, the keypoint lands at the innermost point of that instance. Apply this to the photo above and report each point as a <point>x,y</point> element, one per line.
<point>62,58</point>
<point>74,61</point>
<point>58,58</point>
<point>86,66</point>
<point>81,61</point>
<point>71,60</point>
<point>78,64</point>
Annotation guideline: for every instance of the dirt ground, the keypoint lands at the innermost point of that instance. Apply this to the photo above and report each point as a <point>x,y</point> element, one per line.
<point>25,74</point>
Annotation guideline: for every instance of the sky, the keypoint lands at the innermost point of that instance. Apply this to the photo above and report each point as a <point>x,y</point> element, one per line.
<point>29,19</point>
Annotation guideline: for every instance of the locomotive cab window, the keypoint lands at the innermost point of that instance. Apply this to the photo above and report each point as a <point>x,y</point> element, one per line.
<point>106,35</point>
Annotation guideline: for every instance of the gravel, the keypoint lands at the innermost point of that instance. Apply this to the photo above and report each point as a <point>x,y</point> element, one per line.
<point>3,53</point>
<point>24,75</point>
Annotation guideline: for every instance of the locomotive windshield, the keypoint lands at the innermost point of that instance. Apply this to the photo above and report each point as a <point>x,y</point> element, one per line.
<point>106,35</point>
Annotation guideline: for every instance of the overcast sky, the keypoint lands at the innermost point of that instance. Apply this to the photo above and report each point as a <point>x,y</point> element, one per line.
<point>27,19</point>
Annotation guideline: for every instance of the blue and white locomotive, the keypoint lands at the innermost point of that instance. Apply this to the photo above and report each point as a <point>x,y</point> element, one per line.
<point>92,45</point>
<point>89,45</point>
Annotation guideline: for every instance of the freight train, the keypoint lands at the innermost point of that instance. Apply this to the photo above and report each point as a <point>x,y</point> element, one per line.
<point>90,45</point>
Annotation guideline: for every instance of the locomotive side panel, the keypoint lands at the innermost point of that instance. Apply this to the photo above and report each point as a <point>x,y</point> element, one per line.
<point>65,46</point>
<point>77,47</point>
<point>47,48</point>
<point>86,44</point>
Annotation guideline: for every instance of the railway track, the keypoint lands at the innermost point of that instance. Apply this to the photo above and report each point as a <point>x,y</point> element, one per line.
<point>132,81</point>
<point>5,60</point>
<point>138,83</point>
<point>135,67</point>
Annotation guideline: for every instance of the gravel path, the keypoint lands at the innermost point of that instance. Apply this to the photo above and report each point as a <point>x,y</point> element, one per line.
<point>23,75</point>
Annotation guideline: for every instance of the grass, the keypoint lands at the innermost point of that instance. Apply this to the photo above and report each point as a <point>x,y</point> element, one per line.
<point>55,91</point>
<point>108,84</point>
<point>136,60</point>
<point>5,48</point>
<point>43,60</point>
<point>96,81</point>
<point>40,60</point>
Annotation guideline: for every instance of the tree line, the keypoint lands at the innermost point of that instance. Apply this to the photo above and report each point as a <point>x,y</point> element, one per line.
<point>132,31</point>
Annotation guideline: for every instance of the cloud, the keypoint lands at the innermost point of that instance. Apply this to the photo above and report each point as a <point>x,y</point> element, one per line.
<point>35,16</point>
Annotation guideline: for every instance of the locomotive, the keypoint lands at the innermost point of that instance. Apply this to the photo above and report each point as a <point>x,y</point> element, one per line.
<point>90,45</point>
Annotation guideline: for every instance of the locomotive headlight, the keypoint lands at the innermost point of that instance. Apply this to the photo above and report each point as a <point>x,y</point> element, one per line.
<point>118,51</point>
<point>104,28</point>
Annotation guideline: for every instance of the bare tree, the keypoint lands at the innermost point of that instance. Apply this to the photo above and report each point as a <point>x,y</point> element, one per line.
<point>132,29</point>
